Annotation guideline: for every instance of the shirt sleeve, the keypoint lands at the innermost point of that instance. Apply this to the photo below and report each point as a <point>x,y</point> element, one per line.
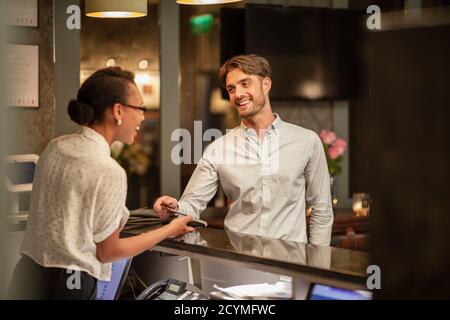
<point>318,195</point>
<point>201,187</point>
<point>110,210</point>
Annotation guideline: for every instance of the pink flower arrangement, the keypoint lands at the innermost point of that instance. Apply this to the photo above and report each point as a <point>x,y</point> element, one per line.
<point>334,149</point>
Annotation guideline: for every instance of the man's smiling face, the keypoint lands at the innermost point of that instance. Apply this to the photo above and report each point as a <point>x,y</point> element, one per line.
<point>247,92</point>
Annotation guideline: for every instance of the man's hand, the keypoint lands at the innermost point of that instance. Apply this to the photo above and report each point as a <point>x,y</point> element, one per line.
<point>164,201</point>
<point>177,227</point>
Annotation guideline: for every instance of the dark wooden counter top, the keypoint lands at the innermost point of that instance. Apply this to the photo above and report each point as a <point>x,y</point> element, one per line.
<point>327,265</point>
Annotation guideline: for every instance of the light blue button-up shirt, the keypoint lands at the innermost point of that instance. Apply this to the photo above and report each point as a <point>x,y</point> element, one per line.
<point>270,180</point>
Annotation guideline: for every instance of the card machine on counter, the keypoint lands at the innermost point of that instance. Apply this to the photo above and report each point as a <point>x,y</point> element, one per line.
<point>195,223</point>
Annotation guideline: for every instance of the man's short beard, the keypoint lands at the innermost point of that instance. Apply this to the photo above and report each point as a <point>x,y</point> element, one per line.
<point>259,107</point>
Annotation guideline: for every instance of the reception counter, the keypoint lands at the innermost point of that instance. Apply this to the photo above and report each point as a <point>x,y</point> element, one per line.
<point>305,263</point>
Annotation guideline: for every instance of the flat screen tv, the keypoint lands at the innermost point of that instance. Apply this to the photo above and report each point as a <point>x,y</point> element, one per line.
<point>312,51</point>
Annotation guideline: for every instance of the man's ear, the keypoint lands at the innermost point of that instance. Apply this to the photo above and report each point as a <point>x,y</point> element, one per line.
<point>117,111</point>
<point>267,84</point>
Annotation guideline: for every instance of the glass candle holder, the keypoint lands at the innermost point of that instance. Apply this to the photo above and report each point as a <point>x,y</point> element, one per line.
<point>361,204</point>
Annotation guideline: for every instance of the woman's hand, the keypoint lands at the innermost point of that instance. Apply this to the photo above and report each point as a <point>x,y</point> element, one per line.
<point>178,226</point>
<point>164,201</point>
<point>114,248</point>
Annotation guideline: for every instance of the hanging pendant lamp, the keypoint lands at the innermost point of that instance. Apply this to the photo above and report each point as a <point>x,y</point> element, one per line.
<point>116,8</point>
<point>200,2</point>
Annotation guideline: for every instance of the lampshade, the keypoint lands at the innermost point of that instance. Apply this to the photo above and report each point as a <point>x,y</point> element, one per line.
<point>116,8</point>
<point>200,2</point>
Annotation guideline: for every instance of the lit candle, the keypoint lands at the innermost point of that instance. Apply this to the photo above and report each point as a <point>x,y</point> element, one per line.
<point>357,206</point>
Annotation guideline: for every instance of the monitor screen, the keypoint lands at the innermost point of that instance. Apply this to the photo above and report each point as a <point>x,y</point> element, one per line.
<point>21,172</point>
<point>312,51</point>
<point>110,290</point>
<point>323,292</point>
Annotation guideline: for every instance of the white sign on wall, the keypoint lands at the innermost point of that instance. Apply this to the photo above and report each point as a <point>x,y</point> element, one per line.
<point>22,75</point>
<point>23,13</point>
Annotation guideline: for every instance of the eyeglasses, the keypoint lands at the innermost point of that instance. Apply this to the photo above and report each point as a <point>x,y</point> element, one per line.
<point>142,108</point>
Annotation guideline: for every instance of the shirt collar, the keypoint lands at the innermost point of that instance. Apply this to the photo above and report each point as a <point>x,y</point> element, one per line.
<point>93,135</point>
<point>277,122</point>
<point>274,125</point>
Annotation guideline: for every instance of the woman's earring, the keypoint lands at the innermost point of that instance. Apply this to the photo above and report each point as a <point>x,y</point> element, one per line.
<point>119,122</point>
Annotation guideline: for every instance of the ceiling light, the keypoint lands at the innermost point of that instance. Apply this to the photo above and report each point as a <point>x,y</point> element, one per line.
<point>143,64</point>
<point>110,62</point>
<point>200,2</point>
<point>116,8</point>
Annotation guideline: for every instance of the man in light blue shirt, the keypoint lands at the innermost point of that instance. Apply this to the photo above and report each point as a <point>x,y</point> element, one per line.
<point>270,170</point>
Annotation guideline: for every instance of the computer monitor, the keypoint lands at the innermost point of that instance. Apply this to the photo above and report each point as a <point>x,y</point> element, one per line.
<point>324,292</point>
<point>18,178</point>
<point>20,172</point>
<point>110,290</point>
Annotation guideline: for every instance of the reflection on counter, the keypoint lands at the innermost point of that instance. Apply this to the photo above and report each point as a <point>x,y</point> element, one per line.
<point>216,247</point>
<point>225,243</point>
<point>276,249</point>
<point>284,250</point>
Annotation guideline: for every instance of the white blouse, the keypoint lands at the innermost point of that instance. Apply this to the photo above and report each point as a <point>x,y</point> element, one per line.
<point>78,200</point>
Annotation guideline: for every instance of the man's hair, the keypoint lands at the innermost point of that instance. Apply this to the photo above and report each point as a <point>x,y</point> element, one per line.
<point>248,63</point>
